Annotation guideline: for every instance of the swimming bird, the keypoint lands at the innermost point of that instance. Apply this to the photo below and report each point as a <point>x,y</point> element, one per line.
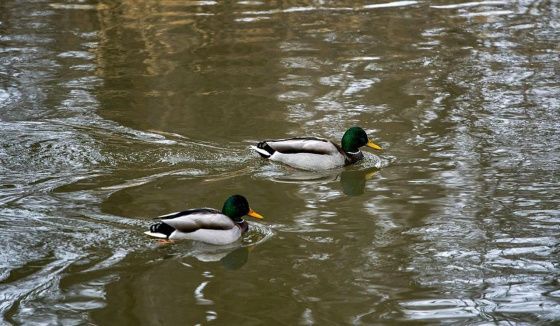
<point>310,153</point>
<point>206,224</point>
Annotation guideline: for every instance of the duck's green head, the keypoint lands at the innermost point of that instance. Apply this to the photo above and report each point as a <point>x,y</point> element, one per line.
<point>237,206</point>
<point>354,138</point>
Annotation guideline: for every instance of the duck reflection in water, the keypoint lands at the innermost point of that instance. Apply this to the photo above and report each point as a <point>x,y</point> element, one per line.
<point>237,258</point>
<point>231,257</point>
<point>353,182</point>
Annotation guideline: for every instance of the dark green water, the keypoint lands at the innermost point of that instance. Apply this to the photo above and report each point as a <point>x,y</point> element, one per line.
<point>114,112</point>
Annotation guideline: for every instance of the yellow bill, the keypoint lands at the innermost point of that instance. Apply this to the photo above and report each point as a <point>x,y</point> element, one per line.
<point>373,145</point>
<point>254,214</point>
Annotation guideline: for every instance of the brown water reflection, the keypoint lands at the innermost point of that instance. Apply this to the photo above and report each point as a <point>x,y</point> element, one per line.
<point>114,112</point>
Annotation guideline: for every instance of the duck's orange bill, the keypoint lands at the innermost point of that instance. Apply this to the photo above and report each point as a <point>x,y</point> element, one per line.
<point>373,145</point>
<point>254,214</point>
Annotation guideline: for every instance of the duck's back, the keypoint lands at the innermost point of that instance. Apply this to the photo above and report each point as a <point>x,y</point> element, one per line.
<point>310,145</point>
<point>194,219</point>
<point>305,153</point>
<point>202,224</point>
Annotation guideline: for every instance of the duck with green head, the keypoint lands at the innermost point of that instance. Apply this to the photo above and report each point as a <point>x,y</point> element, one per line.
<point>310,153</point>
<point>206,224</point>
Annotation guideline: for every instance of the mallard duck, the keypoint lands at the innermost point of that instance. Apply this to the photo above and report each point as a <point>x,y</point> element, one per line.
<point>206,224</point>
<point>310,153</point>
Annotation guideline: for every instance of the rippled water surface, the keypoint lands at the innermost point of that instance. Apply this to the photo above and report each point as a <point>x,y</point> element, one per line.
<point>114,112</point>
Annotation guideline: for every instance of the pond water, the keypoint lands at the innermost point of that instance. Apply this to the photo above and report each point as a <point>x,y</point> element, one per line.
<point>114,112</point>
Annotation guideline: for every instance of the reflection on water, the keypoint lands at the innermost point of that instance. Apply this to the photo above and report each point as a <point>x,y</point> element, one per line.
<point>112,113</point>
<point>231,257</point>
<point>236,259</point>
<point>352,181</point>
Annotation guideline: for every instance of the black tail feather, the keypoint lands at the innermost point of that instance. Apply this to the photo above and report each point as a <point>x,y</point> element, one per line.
<point>163,228</point>
<point>267,148</point>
